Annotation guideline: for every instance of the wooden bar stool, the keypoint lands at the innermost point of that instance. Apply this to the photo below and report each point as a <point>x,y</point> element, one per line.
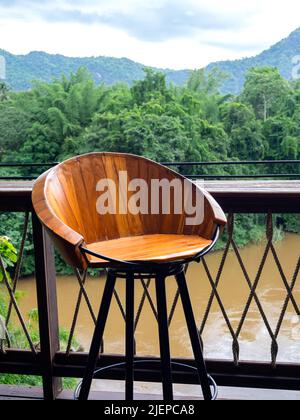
<point>133,217</point>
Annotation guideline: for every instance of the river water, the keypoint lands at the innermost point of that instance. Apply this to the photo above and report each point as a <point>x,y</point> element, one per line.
<point>254,339</point>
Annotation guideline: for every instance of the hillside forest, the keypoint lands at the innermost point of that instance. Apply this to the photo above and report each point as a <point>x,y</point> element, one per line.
<point>195,122</point>
<point>38,65</point>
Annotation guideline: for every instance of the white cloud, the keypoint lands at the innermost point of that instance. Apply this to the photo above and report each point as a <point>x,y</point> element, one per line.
<point>162,33</point>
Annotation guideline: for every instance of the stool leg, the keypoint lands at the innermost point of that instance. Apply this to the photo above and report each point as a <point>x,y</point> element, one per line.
<point>98,336</point>
<point>129,336</point>
<point>164,338</point>
<point>194,335</point>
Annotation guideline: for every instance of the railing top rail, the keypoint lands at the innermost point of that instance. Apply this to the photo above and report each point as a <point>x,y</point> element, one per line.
<point>224,187</point>
<point>26,165</point>
<point>205,163</point>
<point>233,162</point>
<point>238,196</point>
<point>194,177</point>
<point>31,175</point>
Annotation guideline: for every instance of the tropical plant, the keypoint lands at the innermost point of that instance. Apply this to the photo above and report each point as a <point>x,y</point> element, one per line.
<point>8,256</point>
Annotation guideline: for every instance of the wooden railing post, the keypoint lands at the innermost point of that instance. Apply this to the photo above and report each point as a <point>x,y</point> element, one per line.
<point>47,307</point>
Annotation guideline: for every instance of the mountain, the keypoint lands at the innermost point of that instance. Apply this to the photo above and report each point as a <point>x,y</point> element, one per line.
<point>279,55</point>
<point>23,69</point>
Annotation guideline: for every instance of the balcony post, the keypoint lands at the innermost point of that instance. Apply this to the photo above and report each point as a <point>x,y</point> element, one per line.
<point>47,307</point>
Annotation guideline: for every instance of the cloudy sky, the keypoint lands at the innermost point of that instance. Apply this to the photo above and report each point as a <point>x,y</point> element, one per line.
<point>162,33</point>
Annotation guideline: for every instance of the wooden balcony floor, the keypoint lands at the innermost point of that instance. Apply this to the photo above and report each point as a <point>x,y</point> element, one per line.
<point>235,394</point>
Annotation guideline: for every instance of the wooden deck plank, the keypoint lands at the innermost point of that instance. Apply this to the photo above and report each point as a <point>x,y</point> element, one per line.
<point>12,393</point>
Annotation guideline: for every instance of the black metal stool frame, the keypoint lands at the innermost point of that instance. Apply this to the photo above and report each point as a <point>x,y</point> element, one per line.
<point>130,271</point>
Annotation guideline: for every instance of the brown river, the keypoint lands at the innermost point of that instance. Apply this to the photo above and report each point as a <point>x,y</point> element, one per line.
<point>234,291</point>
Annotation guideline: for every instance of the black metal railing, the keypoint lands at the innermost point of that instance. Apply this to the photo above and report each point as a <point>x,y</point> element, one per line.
<point>197,169</point>
<point>30,170</point>
<point>294,169</point>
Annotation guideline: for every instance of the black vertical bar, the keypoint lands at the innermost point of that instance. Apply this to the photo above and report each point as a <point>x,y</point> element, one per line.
<point>194,335</point>
<point>98,336</point>
<point>129,336</point>
<point>164,337</point>
<point>47,307</point>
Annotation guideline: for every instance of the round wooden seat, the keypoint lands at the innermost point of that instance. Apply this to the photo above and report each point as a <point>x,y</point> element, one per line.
<point>150,248</point>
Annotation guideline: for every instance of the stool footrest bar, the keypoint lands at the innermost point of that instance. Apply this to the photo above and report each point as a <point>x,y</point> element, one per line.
<point>136,362</point>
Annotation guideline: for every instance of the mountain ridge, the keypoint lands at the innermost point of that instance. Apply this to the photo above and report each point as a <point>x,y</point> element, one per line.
<point>38,65</point>
<point>279,55</point>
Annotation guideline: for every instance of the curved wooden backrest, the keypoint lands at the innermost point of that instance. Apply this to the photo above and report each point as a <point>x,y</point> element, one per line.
<point>66,199</point>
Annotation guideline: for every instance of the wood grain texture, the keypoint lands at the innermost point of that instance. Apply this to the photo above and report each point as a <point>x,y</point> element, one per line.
<point>154,248</point>
<point>65,200</point>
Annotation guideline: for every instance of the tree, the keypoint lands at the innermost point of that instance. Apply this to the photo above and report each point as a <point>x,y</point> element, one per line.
<point>207,83</point>
<point>58,113</point>
<point>275,130</point>
<point>158,137</point>
<point>153,86</point>
<point>14,124</point>
<point>266,91</point>
<point>4,92</point>
<point>290,147</point>
<point>244,131</point>
<point>204,87</point>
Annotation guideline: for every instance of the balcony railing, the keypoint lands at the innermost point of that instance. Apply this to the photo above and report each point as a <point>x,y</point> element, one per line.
<point>30,171</point>
<point>268,198</point>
